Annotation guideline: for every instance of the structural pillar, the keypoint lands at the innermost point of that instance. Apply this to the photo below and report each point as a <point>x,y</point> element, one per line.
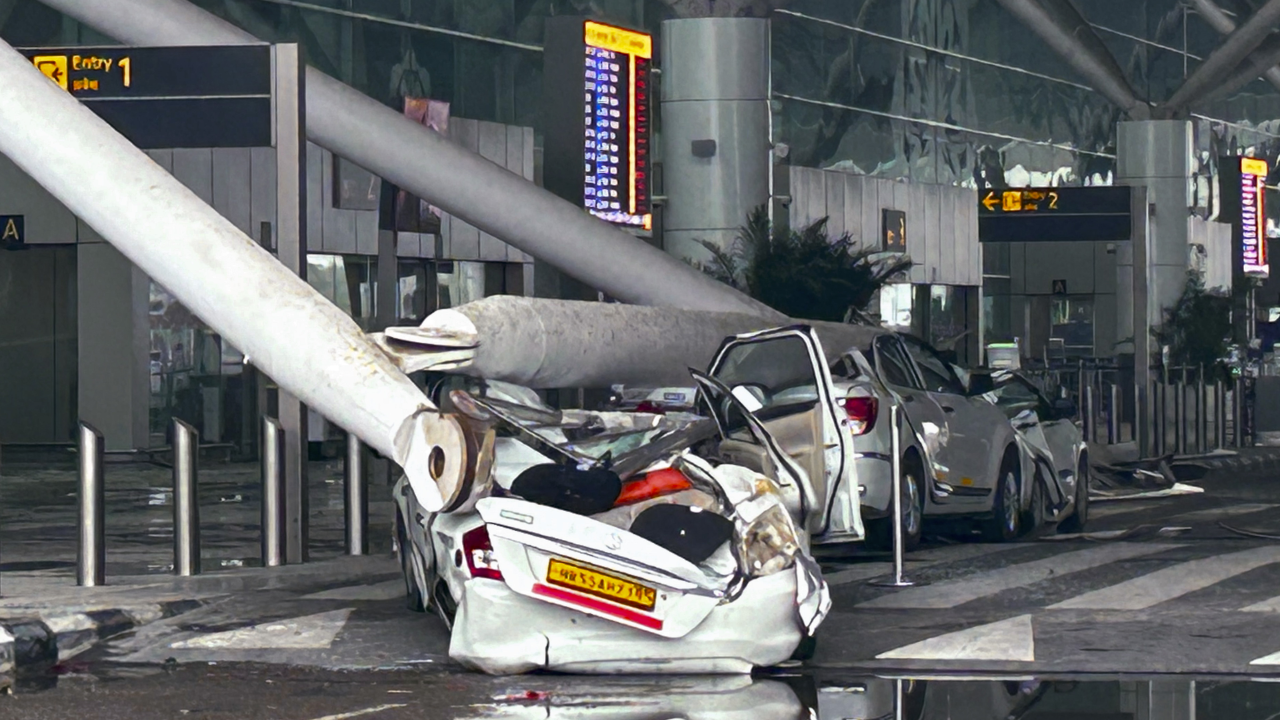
<point>291,248</point>
<point>716,153</point>
<point>113,336</point>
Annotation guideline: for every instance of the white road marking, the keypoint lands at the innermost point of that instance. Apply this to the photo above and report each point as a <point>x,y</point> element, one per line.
<point>389,590</point>
<point>951,593</point>
<point>358,713</point>
<point>1172,582</point>
<point>956,553</point>
<point>1272,659</point>
<point>1011,640</point>
<point>1272,605</point>
<point>916,560</point>
<point>312,632</point>
<point>1222,512</point>
<point>1112,509</point>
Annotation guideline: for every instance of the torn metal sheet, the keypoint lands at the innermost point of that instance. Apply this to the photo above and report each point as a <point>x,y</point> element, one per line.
<point>1174,491</point>
<point>302,341</point>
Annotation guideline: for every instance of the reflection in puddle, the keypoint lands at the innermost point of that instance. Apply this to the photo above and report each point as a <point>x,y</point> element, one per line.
<point>829,697</point>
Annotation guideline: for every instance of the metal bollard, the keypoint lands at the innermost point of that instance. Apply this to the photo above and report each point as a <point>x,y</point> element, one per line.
<point>1219,415</point>
<point>1237,413</point>
<point>896,430</point>
<point>186,500</point>
<point>357,498</point>
<point>1202,422</point>
<point>1113,416</point>
<point>1180,416</point>
<point>1087,414</point>
<point>272,492</point>
<point>91,556</point>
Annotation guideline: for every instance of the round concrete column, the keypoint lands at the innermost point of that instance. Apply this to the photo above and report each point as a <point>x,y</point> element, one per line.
<point>715,129</point>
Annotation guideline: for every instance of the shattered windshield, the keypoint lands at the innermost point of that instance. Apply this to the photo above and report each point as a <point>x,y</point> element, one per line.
<point>626,442</point>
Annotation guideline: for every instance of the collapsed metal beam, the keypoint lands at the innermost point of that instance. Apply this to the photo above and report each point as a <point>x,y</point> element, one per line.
<point>296,336</point>
<point>423,162</point>
<point>1259,62</point>
<point>1071,44</point>
<point>1227,57</point>
<point>542,343</point>
<point>1218,20</point>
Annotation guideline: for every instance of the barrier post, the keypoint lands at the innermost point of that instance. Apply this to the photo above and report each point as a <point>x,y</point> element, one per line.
<point>356,497</point>
<point>91,558</point>
<point>895,425</point>
<point>186,500</point>
<point>272,463</point>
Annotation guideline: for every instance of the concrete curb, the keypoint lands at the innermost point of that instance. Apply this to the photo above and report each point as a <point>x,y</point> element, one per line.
<point>35,644</point>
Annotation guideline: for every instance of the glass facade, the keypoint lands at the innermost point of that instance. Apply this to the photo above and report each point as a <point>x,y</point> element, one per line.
<point>954,92</point>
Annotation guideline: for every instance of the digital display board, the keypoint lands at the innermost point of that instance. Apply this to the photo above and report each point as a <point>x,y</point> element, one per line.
<point>1253,218</point>
<point>598,109</point>
<point>170,97</point>
<point>1242,184</point>
<point>1061,214</point>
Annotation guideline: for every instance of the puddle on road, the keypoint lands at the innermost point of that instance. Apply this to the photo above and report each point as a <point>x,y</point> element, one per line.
<point>801,696</point>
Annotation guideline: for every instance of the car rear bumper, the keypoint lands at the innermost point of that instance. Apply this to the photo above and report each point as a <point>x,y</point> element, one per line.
<point>499,631</point>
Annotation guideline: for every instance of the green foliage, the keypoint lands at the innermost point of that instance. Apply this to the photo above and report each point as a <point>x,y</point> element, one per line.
<point>803,273</point>
<point>1198,327</point>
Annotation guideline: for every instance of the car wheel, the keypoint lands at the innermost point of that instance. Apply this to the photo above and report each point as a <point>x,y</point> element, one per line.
<point>1034,516</point>
<point>880,531</point>
<point>1079,518</point>
<point>1004,524</point>
<point>413,594</point>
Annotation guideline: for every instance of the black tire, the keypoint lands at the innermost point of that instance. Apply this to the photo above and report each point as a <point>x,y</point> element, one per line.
<point>806,649</point>
<point>412,594</point>
<point>880,531</point>
<point>1006,521</point>
<point>1080,517</point>
<point>1034,516</point>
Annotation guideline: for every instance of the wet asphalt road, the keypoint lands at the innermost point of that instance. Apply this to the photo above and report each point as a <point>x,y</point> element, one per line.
<point>964,585</point>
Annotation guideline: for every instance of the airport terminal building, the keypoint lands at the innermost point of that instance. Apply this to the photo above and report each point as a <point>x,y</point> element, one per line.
<point>894,119</point>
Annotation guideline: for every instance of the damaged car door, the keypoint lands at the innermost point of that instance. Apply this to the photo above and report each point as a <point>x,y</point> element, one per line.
<point>780,379</point>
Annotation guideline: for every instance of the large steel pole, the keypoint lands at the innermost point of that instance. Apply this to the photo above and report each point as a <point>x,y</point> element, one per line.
<point>1226,57</point>
<point>425,163</point>
<point>306,344</point>
<point>1219,20</point>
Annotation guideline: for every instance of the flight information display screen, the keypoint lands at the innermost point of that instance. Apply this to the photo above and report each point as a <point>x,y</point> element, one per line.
<point>616,115</point>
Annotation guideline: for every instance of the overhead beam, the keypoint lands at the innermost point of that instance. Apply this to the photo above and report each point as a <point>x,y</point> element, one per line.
<point>1259,62</point>
<point>1081,54</point>
<point>423,162</point>
<point>1228,56</point>
<point>1220,21</point>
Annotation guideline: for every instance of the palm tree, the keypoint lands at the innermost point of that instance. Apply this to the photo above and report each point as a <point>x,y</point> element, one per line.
<point>803,273</point>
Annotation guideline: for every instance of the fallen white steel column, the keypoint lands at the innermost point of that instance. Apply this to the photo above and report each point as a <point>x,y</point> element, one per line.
<point>543,343</point>
<point>302,341</point>
<point>423,162</point>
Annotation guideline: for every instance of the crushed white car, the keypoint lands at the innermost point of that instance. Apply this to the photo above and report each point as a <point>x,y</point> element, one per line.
<point>624,542</point>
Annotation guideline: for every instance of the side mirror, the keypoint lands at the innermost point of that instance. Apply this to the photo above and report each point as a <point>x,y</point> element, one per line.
<point>980,383</point>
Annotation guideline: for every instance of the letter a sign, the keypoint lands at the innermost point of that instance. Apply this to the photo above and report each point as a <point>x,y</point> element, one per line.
<point>12,233</point>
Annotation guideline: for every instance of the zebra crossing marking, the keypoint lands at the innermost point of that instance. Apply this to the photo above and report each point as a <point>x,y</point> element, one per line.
<point>950,593</point>
<point>1173,582</point>
<point>1011,640</point>
<point>312,632</point>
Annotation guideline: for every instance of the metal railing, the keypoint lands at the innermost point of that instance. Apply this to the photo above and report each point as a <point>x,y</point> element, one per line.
<point>1191,410</point>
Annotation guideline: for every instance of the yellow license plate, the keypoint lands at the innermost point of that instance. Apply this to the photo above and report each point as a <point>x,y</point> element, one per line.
<point>603,585</point>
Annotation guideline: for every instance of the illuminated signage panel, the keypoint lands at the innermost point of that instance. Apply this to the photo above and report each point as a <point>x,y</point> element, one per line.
<point>1253,218</point>
<point>170,97</point>
<point>597,146</point>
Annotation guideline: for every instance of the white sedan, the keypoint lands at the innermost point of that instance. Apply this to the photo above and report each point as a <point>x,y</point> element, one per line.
<point>610,543</point>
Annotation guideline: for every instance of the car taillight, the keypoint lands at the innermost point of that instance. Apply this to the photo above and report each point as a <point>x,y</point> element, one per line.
<point>862,413</point>
<point>478,550</point>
